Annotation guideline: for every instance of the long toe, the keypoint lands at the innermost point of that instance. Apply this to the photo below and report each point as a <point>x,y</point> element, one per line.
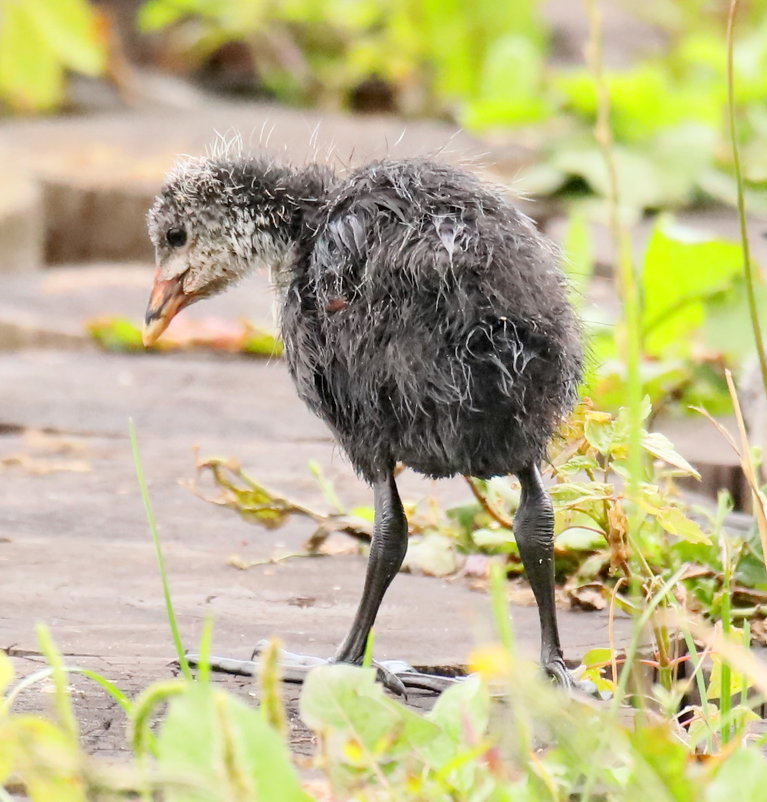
<point>412,678</point>
<point>293,667</point>
<point>390,680</point>
<point>395,675</point>
<point>557,669</point>
<point>226,665</point>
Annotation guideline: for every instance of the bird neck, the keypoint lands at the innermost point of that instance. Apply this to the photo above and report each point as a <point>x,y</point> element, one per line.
<point>285,226</point>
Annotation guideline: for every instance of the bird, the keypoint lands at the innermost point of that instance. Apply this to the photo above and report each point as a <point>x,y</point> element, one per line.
<point>425,320</point>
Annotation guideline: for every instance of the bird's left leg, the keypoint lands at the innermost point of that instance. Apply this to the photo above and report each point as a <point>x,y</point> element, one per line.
<point>387,551</point>
<point>534,533</point>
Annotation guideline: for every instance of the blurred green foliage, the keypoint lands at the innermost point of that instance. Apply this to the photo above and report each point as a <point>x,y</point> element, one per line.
<point>694,317</point>
<point>39,41</point>
<point>443,52</point>
<point>488,65</point>
<point>668,119</point>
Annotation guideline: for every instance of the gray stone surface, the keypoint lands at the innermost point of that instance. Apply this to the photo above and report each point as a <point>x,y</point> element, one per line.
<point>51,308</point>
<point>75,551</point>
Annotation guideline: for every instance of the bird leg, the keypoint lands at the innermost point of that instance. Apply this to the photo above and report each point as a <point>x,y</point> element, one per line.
<point>534,533</point>
<point>387,551</point>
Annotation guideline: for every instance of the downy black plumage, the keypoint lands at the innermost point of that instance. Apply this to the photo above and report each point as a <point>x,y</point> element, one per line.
<point>425,320</point>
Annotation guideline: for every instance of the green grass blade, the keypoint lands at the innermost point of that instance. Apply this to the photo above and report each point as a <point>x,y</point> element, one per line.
<point>367,659</point>
<point>700,683</point>
<point>182,661</point>
<point>725,697</point>
<point>63,701</point>
<point>500,607</point>
<point>203,662</point>
<point>631,654</point>
<point>108,686</point>
<point>744,678</point>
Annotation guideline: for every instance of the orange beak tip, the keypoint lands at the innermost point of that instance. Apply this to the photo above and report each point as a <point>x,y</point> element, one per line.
<point>167,300</point>
<point>151,333</point>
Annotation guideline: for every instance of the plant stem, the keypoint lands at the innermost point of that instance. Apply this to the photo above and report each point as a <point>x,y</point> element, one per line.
<point>725,698</point>
<point>628,284</point>
<point>620,690</point>
<point>747,267</point>
<point>484,502</point>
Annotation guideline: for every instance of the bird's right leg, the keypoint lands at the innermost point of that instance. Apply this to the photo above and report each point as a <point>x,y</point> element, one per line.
<point>534,533</point>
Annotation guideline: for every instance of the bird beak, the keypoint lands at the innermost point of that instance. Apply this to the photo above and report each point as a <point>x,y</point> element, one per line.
<point>167,299</point>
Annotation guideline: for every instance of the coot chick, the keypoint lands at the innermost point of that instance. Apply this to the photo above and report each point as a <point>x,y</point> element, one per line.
<point>425,320</point>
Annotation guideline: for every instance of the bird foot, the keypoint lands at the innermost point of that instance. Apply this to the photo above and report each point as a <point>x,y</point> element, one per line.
<point>556,669</point>
<point>395,675</point>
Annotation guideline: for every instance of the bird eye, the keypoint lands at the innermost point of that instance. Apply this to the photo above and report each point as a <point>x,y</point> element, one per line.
<point>175,237</point>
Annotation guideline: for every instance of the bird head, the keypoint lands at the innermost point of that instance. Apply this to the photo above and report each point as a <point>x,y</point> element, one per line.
<point>213,222</point>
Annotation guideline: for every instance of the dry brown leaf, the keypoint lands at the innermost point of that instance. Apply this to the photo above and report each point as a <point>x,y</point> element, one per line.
<point>587,597</point>
<point>617,537</point>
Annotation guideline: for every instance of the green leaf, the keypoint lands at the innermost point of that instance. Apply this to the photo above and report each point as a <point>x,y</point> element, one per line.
<point>38,39</point>
<point>48,761</point>
<point>743,775</point>
<point>661,447</point>
<point>462,714</point>
<point>662,760</point>
<point>638,175</point>
<point>434,554</point>
<point>116,334</point>
<point>494,539</point>
<point>462,709</point>
<point>596,657</point>
<point>599,429</point>
<point>365,513</point>
<point>721,186</point>
<point>644,100</point>
<point>155,15</point>
<point>68,27</point>
<point>503,102</point>
<point>727,328</point>
<point>683,269</point>
<point>224,749</point>
<point>345,702</point>
<point>738,681</point>
<point>573,493</point>
<point>675,522</point>
<point>262,343</point>
<point>578,538</point>
<point>576,464</point>
<point>30,75</point>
